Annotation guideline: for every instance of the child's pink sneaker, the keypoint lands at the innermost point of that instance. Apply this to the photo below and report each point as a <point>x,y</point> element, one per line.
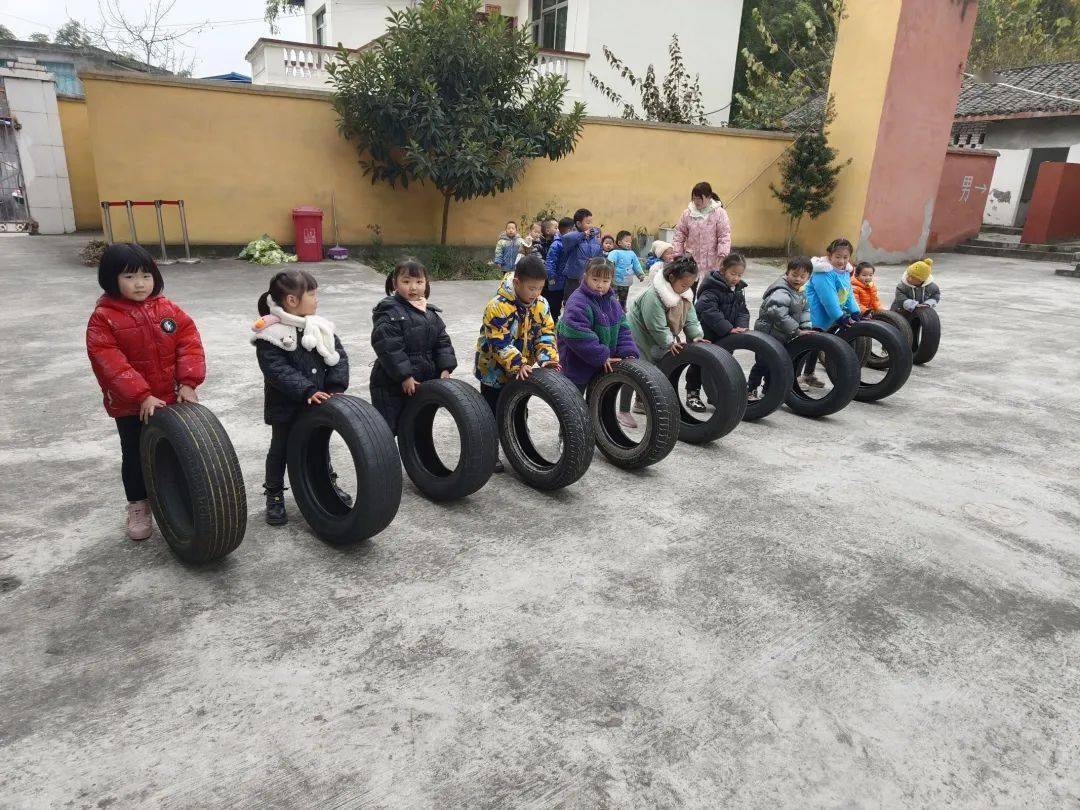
<point>139,523</point>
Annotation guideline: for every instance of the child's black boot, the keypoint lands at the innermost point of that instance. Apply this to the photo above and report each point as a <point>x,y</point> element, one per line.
<point>345,497</point>
<point>275,506</point>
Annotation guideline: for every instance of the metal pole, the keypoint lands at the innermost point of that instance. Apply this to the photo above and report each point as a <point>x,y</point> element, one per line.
<point>161,234</point>
<point>106,219</point>
<point>131,221</point>
<point>187,244</point>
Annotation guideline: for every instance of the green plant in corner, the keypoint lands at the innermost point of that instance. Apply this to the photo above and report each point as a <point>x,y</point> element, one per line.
<point>451,98</point>
<point>376,240</point>
<point>808,176</point>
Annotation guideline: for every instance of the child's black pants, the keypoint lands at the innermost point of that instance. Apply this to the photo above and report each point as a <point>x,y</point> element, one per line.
<point>275,458</point>
<point>130,429</point>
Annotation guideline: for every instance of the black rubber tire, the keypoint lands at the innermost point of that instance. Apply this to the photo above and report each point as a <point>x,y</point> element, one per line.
<point>378,470</point>
<point>724,383</point>
<point>661,404</point>
<point>770,351</point>
<point>880,362</point>
<point>898,354</point>
<point>476,428</point>
<point>194,482</point>
<point>841,364</point>
<point>563,397</point>
<point>926,334</point>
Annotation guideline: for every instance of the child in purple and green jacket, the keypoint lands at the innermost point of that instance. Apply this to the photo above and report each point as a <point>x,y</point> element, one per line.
<point>593,333</point>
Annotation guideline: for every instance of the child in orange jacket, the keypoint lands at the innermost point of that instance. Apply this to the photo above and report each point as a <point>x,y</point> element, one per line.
<point>862,284</point>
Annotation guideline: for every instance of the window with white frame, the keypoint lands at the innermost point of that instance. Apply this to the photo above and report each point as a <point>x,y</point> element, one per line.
<point>548,23</point>
<point>318,26</point>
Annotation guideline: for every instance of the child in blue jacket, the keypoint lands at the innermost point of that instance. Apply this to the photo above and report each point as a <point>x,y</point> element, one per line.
<point>832,301</point>
<point>627,266</point>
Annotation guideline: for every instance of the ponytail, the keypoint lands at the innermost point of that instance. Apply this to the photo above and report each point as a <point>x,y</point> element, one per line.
<point>704,189</point>
<point>287,282</point>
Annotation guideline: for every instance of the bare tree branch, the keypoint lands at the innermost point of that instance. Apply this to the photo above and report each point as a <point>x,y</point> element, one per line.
<point>150,39</point>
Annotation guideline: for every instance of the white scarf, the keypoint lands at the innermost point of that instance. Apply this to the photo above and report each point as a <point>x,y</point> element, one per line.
<point>318,332</point>
<point>702,213</point>
<point>668,297</point>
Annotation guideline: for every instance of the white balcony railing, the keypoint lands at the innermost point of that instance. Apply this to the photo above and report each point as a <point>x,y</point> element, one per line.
<point>569,65</point>
<point>290,64</point>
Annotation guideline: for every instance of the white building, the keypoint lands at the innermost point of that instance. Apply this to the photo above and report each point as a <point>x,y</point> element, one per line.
<point>571,34</point>
<point>1026,128</point>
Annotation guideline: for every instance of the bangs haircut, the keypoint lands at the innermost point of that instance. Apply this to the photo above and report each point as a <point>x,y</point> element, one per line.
<point>126,256</point>
<point>801,263</point>
<point>286,283</point>
<point>599,267</point>
<point>411,267</point>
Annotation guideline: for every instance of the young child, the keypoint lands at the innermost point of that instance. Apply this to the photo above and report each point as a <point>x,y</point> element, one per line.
<point>303,364</point>
<point>862,284</point>
<point>593,333</point>
<point>579,245</point>
<point>832,301</point>
<point>917,289</point>
<point>664,312</point>
<point>661,253</point>
<point>607,244</point>
<point>508,247</point>
<point>627,266</point>
<point>410,341</point>
<point>721,308</point>
<point>549,230</point>
<point>517,332</point>
<point>784,314</point>
<point>555,262</point>
<point>146,353</point>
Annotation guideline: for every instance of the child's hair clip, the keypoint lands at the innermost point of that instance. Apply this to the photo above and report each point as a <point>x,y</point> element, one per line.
<point>264,322</point>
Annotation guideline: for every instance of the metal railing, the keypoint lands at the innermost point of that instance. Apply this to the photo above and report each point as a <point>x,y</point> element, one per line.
<point>130,206</point>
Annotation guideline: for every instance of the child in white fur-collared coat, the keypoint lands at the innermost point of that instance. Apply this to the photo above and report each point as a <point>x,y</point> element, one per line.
<point>303,365</point>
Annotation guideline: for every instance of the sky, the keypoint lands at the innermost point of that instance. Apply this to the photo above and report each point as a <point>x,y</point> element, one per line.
<point>219,48</point>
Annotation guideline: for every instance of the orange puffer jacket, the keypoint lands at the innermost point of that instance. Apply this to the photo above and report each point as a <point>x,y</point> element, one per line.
<point>865,294</point>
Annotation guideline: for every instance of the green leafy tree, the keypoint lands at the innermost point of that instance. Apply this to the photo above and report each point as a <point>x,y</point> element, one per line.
<point>786,52</point>
<point>39,37</point>
<point>72,35</point>
<point>1013,33</point>
<point>808,174</point>
<point>677,100</point>
<point>6,33</point>
<point>454,99</point>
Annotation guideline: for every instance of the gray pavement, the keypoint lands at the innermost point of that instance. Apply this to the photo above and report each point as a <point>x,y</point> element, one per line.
<point>881,608</point>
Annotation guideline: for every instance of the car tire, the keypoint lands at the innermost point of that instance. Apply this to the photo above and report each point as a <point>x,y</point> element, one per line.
<point>476,428</point>
<point>578,444</point>
<point>880,362</point>
<point>661,406</point>
<point>378,470</point>
<point>770,351</point>
<point>841,364</point>
<point>897,352</point>
<point>194,483</point>
<point>926,334</point>
<point>725,385</point>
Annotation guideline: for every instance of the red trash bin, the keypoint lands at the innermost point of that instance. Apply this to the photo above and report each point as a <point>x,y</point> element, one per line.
<point>308,223</point>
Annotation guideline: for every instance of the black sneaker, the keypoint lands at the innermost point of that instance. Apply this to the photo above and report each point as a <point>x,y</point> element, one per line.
<point>694,403</point>
<point>345,497</point>
<point>275,508</point>
<point>499,467</point>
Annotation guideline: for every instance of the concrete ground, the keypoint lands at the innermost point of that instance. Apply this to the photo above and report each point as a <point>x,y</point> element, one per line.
<point>878,608</point>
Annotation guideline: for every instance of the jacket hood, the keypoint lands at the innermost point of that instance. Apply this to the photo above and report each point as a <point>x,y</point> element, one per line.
<point>927,283</point>
<point>668,297</point>
<point>823,265</point>
<point>858,282</point>
<point>697,213</point>
<point>716,280</point>
<point>781,284</point>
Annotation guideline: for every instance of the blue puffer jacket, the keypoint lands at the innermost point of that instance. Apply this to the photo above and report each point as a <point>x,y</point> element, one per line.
<point>830,295</point>
<point>579,247</point>
<point>556,262</point>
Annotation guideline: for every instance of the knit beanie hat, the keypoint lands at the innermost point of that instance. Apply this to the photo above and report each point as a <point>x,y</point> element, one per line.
<point>920,271</point>
<point>660,247</point>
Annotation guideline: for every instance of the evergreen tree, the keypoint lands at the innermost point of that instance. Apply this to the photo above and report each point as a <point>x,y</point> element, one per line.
<point>808,175</point>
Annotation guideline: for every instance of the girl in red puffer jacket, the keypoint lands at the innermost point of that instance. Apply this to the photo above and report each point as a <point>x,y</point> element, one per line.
<point>146,354</point>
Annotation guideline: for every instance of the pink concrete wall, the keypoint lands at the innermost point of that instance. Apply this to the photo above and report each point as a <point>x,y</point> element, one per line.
<point>928,60</point>
<point>1054,213</point>
<point>961,197</point>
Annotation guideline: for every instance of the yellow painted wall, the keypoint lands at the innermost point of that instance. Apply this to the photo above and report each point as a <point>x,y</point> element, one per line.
<point>75,125</point>
<point>243,157</point>
<point>858,85</point>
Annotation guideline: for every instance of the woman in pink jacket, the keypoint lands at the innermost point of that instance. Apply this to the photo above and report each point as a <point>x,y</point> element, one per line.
<point>704,230</point>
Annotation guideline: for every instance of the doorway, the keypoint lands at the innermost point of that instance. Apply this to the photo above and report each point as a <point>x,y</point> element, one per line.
<point>1053,154</point>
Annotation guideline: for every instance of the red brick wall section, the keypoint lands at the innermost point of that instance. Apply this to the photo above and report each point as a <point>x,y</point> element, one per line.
<point>1054,213</point>
<point>961,197</point>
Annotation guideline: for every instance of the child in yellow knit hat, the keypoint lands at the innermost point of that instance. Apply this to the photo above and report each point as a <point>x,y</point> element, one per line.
<point>917,288</point>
